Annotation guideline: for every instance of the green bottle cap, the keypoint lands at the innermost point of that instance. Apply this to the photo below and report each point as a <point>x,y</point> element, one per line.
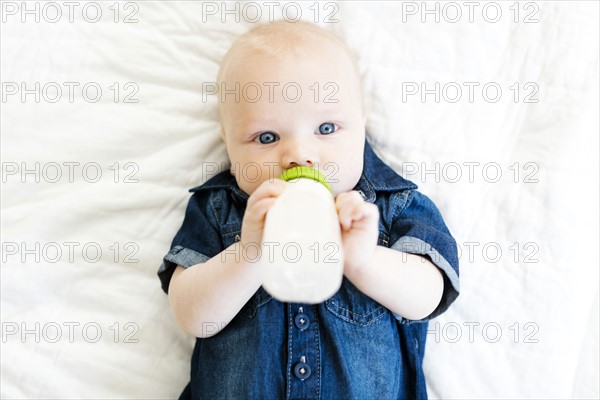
<point>305,172</point>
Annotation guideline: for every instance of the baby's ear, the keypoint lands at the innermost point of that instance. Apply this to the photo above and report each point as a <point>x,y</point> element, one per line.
<point>222,132</point>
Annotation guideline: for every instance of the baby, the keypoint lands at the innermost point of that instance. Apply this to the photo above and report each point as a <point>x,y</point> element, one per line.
<point>290,95</point>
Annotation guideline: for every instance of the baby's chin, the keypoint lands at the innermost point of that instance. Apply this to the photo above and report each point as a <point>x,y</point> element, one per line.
<point>337,188</point>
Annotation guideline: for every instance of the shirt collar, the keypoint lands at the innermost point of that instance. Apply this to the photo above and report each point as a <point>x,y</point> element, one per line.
<point>379,177</point>
<point>376,176</point>
<point>223,180</point>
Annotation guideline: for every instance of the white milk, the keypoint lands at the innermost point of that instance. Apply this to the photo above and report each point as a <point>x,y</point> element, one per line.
<point>302,255</point>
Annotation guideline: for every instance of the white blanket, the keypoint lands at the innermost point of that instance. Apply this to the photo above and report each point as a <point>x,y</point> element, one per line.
<point>104,128</point>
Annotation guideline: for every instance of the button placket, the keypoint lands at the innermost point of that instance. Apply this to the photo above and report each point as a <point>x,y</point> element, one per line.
<point>304,353</point>
<point>301,320</point>
<point>302,369</point>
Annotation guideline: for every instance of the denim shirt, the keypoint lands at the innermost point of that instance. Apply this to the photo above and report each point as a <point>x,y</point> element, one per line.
<point>349,346</point>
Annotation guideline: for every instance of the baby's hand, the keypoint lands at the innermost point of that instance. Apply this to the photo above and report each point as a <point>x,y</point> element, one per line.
<point>359,221</point>
<point>259,203</point>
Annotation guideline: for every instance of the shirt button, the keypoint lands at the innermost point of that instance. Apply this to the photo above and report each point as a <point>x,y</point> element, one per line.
<point>302,371</point>
<point>302,321</point>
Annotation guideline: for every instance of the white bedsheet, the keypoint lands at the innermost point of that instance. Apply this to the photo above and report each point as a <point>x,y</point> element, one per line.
<point>94,323</point>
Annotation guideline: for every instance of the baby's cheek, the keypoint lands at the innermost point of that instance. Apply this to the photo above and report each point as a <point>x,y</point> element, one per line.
<point>345,180</point>
<point>249,183</point>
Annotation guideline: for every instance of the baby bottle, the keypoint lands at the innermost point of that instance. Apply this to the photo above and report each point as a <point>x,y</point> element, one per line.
<point>302,256</point>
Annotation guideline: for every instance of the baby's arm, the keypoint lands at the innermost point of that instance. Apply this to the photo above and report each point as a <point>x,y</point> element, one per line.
<point>207,296</point>
<point>406,284</point>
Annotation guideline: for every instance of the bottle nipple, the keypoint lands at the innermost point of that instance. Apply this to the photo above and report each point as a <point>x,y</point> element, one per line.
<point>305,172</point>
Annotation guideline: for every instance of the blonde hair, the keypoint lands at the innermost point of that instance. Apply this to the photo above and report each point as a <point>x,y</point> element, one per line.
<point>282,38</point>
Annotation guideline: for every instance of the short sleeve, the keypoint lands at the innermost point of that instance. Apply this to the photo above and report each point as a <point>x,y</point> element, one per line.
<point>197,240</point>
<point>420,229</point>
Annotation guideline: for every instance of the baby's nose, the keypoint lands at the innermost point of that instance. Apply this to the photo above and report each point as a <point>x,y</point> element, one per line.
<point>299,155</point>
<point>307,163</point>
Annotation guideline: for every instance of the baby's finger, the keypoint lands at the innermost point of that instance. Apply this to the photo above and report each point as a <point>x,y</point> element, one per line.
<point>349,212</point>
<point>267,189</point>
<point>343,199</point>
<point>254,220</point>
<point>356,209</point>
<point>261,207</point>
<point>370,210</point>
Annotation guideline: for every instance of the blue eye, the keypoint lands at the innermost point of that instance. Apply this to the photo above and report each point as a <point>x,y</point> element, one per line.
<point>327,128</point>
<point>267,137</point>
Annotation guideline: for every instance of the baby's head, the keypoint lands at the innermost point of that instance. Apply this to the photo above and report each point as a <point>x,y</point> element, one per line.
<point>299,103</point>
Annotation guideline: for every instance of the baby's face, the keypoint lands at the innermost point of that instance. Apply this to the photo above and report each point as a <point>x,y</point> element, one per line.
<point>323,126</point>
